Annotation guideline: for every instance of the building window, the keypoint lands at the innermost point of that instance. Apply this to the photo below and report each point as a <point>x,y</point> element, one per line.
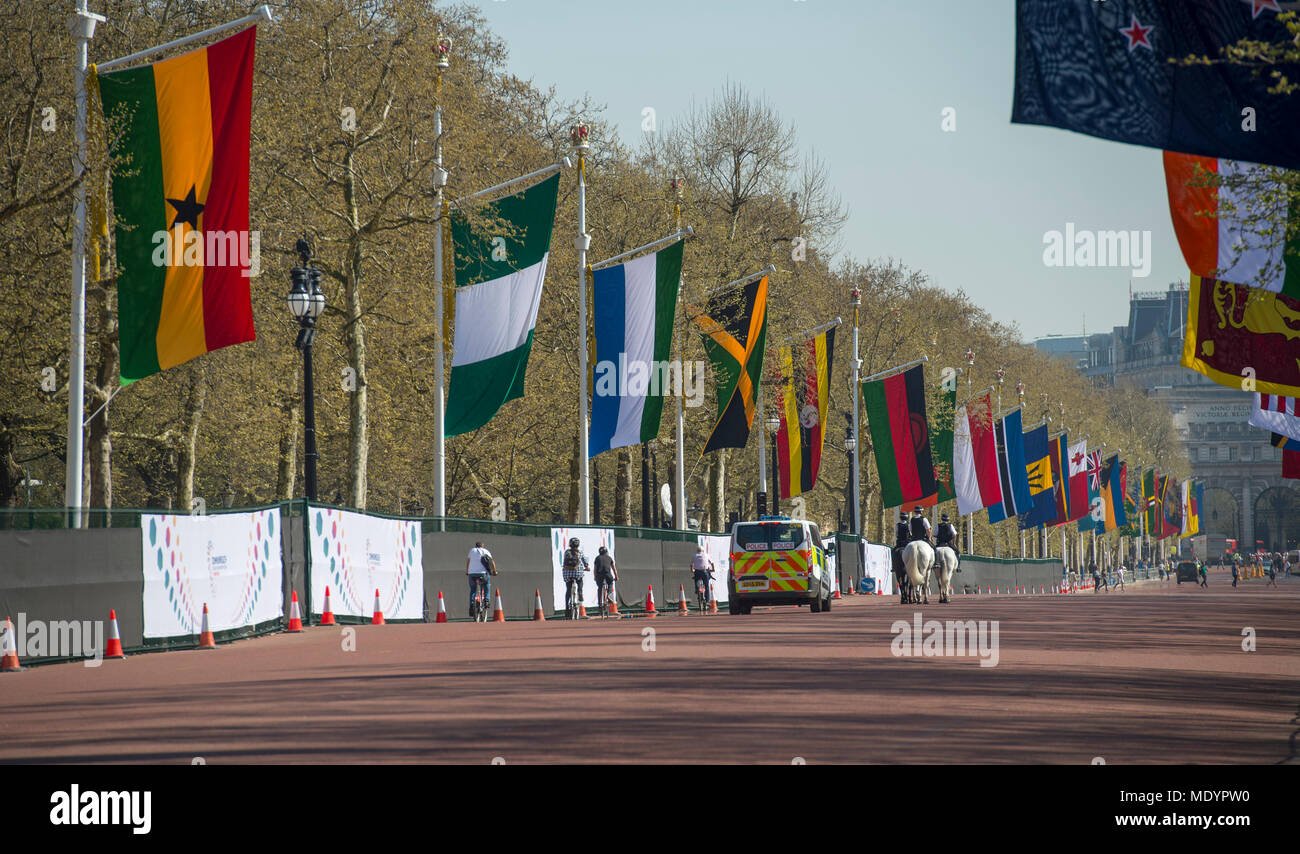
<point>1232,453</point>
<point>1214,455</point>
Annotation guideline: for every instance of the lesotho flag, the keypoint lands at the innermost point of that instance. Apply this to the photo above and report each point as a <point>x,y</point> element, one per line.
<point>180,200</point>
<point>634,308</point>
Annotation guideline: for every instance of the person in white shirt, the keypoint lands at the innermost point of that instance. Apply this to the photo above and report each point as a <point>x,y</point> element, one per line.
<point>476,569</point>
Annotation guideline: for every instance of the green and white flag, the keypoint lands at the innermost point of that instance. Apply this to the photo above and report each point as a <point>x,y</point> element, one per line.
<point>500,266</point>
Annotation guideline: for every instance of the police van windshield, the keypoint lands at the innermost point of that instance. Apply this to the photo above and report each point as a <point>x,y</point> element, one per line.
<point>769,536</point>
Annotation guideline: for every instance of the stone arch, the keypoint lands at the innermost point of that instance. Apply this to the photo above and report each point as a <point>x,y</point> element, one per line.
<point>1221,515</point>
<point>1277,518</point>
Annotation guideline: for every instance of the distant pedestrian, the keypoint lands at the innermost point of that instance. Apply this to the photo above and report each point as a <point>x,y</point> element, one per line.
<point>1096,579</point>
<point>1204,576</point>
<point>1234,575</point>
<point>1120,573</point>
<point>1272,576</point>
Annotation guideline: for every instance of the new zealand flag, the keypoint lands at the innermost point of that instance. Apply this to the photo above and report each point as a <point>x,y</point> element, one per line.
<point>1103,68</point>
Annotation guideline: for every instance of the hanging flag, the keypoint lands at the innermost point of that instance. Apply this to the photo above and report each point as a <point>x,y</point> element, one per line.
<point>1150,494</point>
<point>734,332</point>
<point>499,275</point>
<point>1191,524</point>
<point>1060,480</point>
<point>1290,455</point>
<point>942,437</point>
<point>1173,508</point>
<point>975,457</point>
<point>1277,414</point>
<point>1095,517</point>
<point>1105,69</point>
<point>1112,496</point>
<point>634,306</point>
<point>1236,334</point>
<point>180,200</point>
<point>900,435</point>
<point>1219,228</point>
<point>1038,471</point>
<point>1078,462</point>
<point>803,413</point>
<point>1016,497</point>
<point>1198,505</point>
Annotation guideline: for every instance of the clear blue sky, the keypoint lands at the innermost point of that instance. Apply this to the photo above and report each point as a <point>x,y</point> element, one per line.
<point>866,83</point>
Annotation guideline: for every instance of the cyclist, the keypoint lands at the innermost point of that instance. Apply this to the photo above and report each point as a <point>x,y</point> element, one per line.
<point>606,574</point>
<point>572,567</point>
<point>702,571</point>
<point>476,569</point>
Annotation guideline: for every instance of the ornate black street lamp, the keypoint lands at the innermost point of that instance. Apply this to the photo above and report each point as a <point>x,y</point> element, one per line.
<point>306,302</point>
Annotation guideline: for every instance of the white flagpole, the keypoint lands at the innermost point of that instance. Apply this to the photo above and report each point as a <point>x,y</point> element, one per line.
<point>579,136</point>
<point>443,48</point>
<point>84,31</point>
<point>857,438</point>
<point>679,495</point>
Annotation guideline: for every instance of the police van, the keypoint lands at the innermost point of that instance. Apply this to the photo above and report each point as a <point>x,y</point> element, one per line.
<point>778,561</point>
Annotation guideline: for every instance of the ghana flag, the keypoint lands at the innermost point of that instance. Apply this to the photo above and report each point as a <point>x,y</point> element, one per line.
<point>803,413</point>
<point>180,200</point>
<point>900,435</point>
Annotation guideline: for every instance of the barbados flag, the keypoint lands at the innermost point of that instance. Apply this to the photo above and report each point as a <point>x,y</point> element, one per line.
<point>180,200</point>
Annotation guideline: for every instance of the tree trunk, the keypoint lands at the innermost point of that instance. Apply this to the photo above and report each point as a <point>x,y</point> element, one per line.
<point>718,491</point>
<point>186,455</point>
<point>100,440</point>
<point>575,472</point>
<point>623,489</point>
<point>287,471</point>
<point>355,339</point>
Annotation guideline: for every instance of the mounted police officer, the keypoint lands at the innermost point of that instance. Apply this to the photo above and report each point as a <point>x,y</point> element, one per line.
<point>919,527</point>
<point>946,535</point>
<point>902,536</point>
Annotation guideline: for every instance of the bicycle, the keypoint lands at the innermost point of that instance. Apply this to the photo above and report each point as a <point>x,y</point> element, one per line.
<point>572,605</point>
<point>702,587</point>
<point>478,607</point>
<point>604,594</point>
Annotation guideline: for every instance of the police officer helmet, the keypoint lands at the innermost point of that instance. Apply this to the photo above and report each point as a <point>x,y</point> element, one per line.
<point>574,543</point>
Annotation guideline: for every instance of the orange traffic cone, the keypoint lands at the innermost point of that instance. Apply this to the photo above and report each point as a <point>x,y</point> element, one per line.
<point>713,603</point>
<point>378,618</point>
<point>295,616</point>
<point>498,615</point>
<point>327,618</point>
<point>9,648</point>
<point>650,601</point>
<point>113,649</point>
<point>206,640</point>
<point>537,606</point>
<point>613,603</point>
<point>442,610</point>
<point>681,601</point>
<point>836,594</point>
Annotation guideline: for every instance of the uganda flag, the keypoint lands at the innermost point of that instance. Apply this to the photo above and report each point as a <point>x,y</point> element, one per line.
<point>803,413</point>
<point>180,200</point>
<point>900,435</point>
<point>735,335</point>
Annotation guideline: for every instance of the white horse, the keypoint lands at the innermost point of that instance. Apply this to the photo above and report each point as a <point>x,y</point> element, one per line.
<point>945,564</point>
<point>918,559</point>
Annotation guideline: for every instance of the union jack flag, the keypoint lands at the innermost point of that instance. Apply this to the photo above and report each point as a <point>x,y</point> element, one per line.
<point>1094,471</point>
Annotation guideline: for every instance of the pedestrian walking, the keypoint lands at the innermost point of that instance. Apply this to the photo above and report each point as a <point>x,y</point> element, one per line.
<point>1234,575</point>
<point>1205,574</point>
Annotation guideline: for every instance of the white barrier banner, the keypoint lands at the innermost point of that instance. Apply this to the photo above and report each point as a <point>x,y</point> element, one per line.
<point>356,555</point>
<point>230,561</point>
<point>878,563</point>
<point>590,540</point>
<point>719,551</point>
<point>832,563</point>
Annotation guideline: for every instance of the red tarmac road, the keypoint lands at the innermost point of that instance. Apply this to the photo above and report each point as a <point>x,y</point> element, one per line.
<point>1153,675</point>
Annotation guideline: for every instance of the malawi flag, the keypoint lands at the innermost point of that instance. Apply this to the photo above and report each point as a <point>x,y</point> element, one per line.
<point>975,457</point>
<point>1104,69</point>
<point>803,413</point>
<point>734,332</point>
<point>900,435</point>
<point>180,200</point>
<point>634,306</point>
<point>1219,228</point>
<point>1235,332</point>
<point>499,275</point>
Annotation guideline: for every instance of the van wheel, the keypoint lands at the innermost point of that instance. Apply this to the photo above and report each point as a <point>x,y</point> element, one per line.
<point>815,605</point>
<point>735,608</point>
<point>826,603</point>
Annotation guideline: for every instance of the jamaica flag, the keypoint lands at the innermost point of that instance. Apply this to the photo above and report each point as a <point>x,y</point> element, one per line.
<point>735,334</point>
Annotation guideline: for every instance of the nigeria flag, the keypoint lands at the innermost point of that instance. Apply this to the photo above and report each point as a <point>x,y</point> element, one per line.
<point>500,265</point>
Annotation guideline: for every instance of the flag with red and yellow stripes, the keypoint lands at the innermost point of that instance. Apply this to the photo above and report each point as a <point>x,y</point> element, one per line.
<point>180,199</point>
<point>803,412</point>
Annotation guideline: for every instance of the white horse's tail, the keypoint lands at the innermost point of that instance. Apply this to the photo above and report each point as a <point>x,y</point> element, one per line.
<point>945,559</point>
<point>918,559</point>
